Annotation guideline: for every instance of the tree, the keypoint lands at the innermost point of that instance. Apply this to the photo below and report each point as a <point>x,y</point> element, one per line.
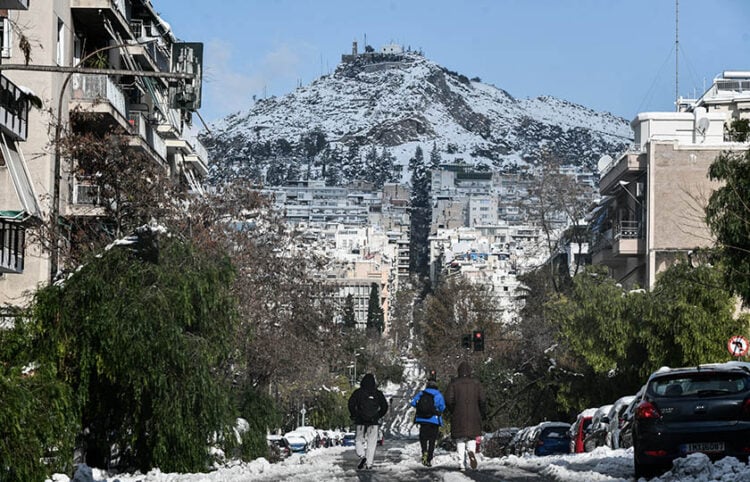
<point>456,307</point>
<point>349,319</point>
<point>421,218</point>
<point>145,347</point>
<point>557,200</point>
<point>375,323</point>
<point>727,215</point>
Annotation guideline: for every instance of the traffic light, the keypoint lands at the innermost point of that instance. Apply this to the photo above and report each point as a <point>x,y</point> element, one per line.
<point>466,341</point>
<point>478,340</point>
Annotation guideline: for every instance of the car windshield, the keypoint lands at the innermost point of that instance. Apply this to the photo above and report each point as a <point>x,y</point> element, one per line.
<point>699,384</point>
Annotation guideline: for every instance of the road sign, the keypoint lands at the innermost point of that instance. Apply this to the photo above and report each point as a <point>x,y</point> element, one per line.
<point>738,346</point>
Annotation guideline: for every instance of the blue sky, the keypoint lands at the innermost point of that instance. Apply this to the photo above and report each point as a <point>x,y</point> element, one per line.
<point>609,55</point>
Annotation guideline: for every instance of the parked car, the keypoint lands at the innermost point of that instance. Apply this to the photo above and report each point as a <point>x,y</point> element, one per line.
<point>596,433</point>
<point>686,410</point>
<point>550,438</point>
<point>616,420</point>
<point>495,445</point>
<point>348,439</point>
<point>625,437</point>
<point>297,443</point>
<point>518,442</point>
<point>280,444</point>
<point>578,430</point>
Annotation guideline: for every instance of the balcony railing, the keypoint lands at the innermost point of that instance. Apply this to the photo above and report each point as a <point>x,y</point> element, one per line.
<point>12,241</point>
<point>628,230</point>
<point>14,110</point>
<point>141,127</point>
<point>98,88</point>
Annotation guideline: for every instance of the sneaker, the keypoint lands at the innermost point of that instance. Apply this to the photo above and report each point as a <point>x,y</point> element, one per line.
<point>472,460</point>
<point>362,463</point>
<point>424,459</point>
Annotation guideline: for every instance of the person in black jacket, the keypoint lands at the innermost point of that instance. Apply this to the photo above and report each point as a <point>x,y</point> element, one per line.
<point>367,406</point>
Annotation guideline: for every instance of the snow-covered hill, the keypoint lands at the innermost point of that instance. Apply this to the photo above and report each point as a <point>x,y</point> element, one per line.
<point>399,101</point>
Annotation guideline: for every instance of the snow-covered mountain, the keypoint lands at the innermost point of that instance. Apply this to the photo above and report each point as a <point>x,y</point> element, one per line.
<point>398,101</point>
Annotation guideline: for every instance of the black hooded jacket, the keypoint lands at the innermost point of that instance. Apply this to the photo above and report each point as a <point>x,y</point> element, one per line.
<point>368,388</point>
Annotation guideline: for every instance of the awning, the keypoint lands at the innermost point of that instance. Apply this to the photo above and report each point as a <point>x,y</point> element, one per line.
<point>20,176</point>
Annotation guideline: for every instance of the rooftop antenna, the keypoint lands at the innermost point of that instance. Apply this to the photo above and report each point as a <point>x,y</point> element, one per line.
<point>676,54</point>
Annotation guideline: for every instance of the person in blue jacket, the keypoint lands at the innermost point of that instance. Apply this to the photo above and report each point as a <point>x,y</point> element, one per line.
<point>429,424</point>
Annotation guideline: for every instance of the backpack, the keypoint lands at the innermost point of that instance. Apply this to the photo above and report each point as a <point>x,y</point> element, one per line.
<point>426,405</point>
<point>369,408</point>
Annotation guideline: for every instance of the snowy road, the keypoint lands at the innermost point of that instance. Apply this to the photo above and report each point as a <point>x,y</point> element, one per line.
<point>396,461</point>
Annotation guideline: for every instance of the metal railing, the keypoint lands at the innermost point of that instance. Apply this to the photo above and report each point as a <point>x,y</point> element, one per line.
<point>98,88</point>
<point>628,230</point>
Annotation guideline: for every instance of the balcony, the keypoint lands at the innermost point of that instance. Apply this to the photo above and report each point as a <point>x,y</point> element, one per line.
<point>14,110</point>
<point>14,4</point>
<point>628,239</point>
<point>89,13</point>
<point>12,242</point>
<point>145,137</point>
<point>627,168</point>
<point>98,93</point>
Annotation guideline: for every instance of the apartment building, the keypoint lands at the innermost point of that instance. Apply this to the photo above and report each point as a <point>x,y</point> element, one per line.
<point>653,195</point>
<point>19,206</point>
<point>139,82</point>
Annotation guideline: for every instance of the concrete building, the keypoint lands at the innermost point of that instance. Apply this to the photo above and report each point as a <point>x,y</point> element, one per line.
<point>147,101</point>
<point>19,203</point>
<point>653,195</point>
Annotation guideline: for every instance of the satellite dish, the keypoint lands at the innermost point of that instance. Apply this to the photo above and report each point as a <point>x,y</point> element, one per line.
<point>603,163</point>
<point>702,125</point>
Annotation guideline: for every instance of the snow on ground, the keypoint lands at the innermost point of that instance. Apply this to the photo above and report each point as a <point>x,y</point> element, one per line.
<point>399,459</point>
<point>337,464</point>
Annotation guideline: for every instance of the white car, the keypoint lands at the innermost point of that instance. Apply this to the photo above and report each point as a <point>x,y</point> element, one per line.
<point>616,419</point>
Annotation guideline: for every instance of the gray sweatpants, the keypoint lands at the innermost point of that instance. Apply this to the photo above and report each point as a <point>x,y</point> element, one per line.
<point>366,441</point>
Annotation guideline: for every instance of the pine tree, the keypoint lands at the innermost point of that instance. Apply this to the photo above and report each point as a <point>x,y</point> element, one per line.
<point>375,322</point>
<point>421,217</point>
<point>349,319</point>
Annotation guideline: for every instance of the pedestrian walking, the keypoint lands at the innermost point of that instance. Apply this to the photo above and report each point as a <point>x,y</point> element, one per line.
<point>467,405</point>
<point>430,405</point>
<point>367,406</point>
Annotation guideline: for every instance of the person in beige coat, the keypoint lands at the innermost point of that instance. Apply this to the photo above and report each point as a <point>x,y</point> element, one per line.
<point>466,402</point>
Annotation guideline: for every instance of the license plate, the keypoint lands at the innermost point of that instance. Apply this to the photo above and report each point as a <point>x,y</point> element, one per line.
<point>705,447</point>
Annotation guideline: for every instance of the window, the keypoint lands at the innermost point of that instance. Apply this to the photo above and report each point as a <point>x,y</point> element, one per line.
<point>7,39</point>
<point>60,42</point>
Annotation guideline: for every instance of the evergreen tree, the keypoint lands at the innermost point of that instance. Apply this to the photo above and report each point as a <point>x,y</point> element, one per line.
<point>349,318</point>
<point>421,217</point>
<point>145,348</point>
<point>435,158</point>
<point>375,322</point>
<point>729,220</point>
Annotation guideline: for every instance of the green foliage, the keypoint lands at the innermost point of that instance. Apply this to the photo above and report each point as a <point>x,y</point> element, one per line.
<point>615,339</point>
<point>727,215</point>
<point>689,318</point>
<point>375,321</point>
<point>328,409</point>
<point>37,417</point>
<point>594,320</point>
<point>421,216</point>
<point>144,346</point>
<point>262,416</point>
<point>349,318</point>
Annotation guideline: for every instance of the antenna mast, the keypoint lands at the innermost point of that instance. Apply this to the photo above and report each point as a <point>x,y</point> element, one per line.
<point>677,54</point>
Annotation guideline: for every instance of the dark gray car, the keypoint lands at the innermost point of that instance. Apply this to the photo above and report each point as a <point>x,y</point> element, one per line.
<point>693,409</point>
